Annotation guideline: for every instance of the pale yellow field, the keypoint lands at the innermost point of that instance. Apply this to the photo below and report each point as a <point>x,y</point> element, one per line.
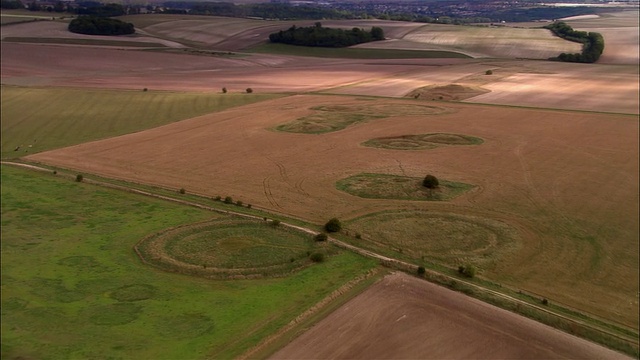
<point>493,42</point>
<point>621,34</point>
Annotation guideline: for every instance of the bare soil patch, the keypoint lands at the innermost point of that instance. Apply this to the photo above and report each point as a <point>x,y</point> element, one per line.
<point>530,173</point>
<point>447,92</point>
<point>612,88</point>
<point>402,317</point>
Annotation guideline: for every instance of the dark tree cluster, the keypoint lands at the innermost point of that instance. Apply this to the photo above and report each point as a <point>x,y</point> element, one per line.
<point>93,25</point>
<point>592,48</point>
<point>98,9</point>
<point>280,11</point>
<point>430,182</point>
<point>326,37</point>
<point>11,4</point>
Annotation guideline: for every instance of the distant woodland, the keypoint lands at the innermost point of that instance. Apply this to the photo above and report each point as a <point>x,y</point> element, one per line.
<point>326,37</point>
<point>593,43</point>
<point>95,25</point>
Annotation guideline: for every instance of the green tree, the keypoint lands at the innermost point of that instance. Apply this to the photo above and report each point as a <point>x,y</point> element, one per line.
<point>317,257</point>
<point>467,270</point>
<point>377,33</point>
<point>320,237</point>
<point>430,182</point>
<point>11,4</point>
<point>333,225</point>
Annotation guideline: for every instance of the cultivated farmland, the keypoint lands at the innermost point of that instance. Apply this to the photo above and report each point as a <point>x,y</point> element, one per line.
<point>540,195</point>
<point>528,172</point>
<point>403,317</point>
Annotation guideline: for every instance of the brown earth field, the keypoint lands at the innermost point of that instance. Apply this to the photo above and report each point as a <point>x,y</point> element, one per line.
<point>536,172</point>
<point>594,87</point>
<point>402,317</point>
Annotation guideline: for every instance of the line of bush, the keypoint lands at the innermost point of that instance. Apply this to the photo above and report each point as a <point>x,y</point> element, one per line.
<point>94,25</point>
<point>326,37</point>
<point>592,48</point>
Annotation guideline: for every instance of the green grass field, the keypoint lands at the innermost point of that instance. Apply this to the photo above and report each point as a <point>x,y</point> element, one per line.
<point>39,119</point>
<point>72,286</point>
<point>354,53</point>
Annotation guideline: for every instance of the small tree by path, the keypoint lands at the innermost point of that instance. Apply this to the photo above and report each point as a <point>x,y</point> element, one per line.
<point>333,225</point>
<point>320,237</point>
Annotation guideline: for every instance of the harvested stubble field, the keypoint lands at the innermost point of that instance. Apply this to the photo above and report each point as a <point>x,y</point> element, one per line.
<point>530,173</point>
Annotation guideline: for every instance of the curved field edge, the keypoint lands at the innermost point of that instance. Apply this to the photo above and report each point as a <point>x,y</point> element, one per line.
<point>69,265</point>
<point>387,186</point>
<point>330,118</point>
<point>354,53</point>
<point>422,141</point>
<point>231,248</point>
<point>576,322</point>
<point>57,117</point>
<point>43,40</point>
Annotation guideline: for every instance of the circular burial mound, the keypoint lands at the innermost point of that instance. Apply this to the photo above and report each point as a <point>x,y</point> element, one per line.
<point>386,186</point>
<point>446,238</point>
<point>451,92</point>
<point>328,118</point>
<point>235,248</point>
<point>422,141</point>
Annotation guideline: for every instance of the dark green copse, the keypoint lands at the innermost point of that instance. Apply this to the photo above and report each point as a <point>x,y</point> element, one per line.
<point>430,182</point>
<point>326,37</point>
<point>333,225</point>
<point>593,43</point>
<point>93,25</point>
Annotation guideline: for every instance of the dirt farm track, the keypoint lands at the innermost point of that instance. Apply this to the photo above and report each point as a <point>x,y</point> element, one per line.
<point>552,208</point>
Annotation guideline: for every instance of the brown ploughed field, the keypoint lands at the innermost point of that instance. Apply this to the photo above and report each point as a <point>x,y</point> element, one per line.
<point>402,317</point>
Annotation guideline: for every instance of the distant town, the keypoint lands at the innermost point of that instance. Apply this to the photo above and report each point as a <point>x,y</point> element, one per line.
<point>446,12</point>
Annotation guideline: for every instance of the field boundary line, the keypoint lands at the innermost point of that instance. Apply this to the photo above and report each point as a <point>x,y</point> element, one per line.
<point>306,314</point>
<point>384,260</point>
